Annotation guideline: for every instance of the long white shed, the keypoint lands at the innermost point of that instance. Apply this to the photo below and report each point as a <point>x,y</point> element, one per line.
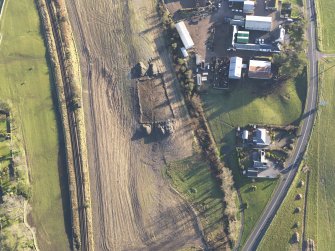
<point>184,35</point>
<point>235,68</point>
<point>258,23</point>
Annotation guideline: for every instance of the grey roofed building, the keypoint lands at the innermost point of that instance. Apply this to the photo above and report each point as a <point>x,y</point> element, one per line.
<point>199,79</point>
<point>252,173</point>
<point>248,7</point>
<point>235,68</point>
<point>261,137</point>
<point>259,165</point>
<point>259,160</point>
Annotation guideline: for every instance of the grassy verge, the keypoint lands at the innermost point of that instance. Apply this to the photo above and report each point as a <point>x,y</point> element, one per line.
<point>320,159</point>
<point>325,25</point>
<point>25,81</point>
<point>69,101</point>
<point>242,105</point>
<point>193,178</point>
<point>288,221</point>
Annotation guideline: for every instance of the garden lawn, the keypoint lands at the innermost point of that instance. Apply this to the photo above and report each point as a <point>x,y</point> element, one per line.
<point>325,25</point>
<point>242,105</point>
<point>279,234</point>
<point>25,83</point>
<point>193,178</point>
<point>321,161</point>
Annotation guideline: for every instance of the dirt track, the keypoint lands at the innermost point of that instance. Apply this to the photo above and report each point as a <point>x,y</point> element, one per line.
<point>133,206</point>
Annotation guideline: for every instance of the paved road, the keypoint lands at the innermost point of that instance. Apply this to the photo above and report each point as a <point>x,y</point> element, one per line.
<point>307,124</point>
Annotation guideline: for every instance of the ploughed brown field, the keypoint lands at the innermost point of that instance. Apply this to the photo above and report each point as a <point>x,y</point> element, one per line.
<point>133,206</point>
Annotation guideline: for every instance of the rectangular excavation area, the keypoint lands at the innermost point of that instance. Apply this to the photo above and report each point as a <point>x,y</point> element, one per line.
<point>154,103</point>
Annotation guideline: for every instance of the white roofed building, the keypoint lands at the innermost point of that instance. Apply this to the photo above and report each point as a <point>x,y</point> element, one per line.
<point>248,7</point>
<point>184,35</point>
<point>235,68</point>
<point>184,52</point>
<point>258,23</point>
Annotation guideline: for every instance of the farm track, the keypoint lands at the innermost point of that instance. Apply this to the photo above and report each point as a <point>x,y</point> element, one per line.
<point>133,207</point>
<point>77,158</point>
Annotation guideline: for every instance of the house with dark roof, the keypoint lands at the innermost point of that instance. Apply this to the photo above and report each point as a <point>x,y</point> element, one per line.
<point>259,160</point>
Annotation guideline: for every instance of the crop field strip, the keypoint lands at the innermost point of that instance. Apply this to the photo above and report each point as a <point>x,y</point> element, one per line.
<point>326,25</point>
<point>320,159</point>
<point>26,83</point>
<point>286,222</point>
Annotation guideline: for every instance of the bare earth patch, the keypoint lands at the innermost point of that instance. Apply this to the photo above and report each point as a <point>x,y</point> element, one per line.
<point>154,103</point>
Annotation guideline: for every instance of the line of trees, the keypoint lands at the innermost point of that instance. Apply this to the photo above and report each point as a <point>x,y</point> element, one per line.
<point>292,60</point>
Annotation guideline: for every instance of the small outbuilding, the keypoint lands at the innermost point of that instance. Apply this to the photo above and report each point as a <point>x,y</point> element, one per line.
<point>260,69</point>
<point>286,10</point>
<point>242,37</point>
<point>197,59</point>
<point>235,68</point>
<point>245,135</point>
<point>248,7</point>
<point>252,173</point>
<point>199,80</point>
<point>184,35</point>
<point>271,4</point>
<point>281,36</point>
<point>184,52</point>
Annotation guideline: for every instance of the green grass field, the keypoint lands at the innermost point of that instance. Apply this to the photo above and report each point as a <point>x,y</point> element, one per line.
<point>279,234</point>
<point>326,25</point>
<point>321,161</point>
<point>193,178</point>
<point>243,105</point>
<point>25,82</point>
<point>4,154</point>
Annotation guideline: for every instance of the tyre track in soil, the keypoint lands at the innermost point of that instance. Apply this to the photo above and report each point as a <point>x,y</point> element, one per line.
<point>133,208</point>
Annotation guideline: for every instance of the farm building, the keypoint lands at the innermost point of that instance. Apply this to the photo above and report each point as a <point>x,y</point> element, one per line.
<point>281,36</point>
<point>258,23</point>
<point>252,173</point>
<point>242,37</point>
<point>261,137</point>
<point>245,135</point>
<point>237,22</point>
<point>259,69</point>
<point>200,3</point>
<point>197,59</point>
<point>286,10</point>
<point>271,4</point>
<point>184,52</point>
<point>199,80</point>
<point>248,7</point>
<point>235,68</point>
<point>184,35</point>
